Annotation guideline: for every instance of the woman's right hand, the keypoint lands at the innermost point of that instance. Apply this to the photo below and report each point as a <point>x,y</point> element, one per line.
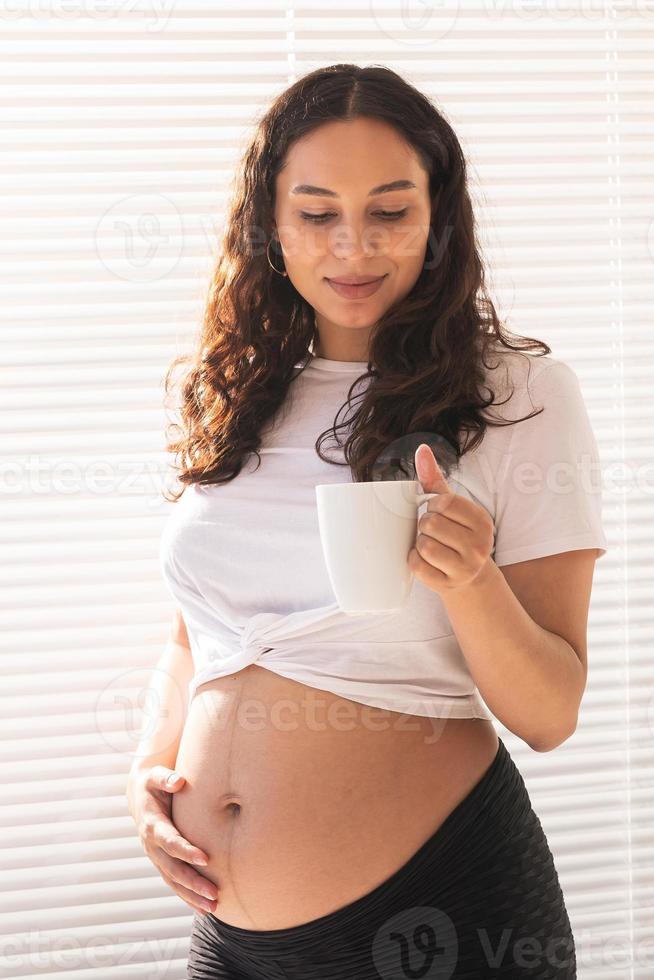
<point>149,800</point>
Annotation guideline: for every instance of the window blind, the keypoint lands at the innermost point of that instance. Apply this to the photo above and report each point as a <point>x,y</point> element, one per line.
<point>121,128</point>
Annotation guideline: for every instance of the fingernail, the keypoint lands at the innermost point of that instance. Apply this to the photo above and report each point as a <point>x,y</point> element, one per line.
<point>173,776</point>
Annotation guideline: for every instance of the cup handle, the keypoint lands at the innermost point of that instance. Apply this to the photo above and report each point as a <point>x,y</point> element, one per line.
<point>422,498</point>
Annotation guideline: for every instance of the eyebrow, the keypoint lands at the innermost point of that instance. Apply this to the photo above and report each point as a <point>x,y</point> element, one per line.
<point>394,185</point>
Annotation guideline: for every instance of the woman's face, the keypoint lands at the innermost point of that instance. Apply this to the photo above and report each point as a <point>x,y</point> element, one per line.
<point>334,220</point>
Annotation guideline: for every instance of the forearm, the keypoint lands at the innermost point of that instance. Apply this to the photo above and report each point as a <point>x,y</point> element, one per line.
<point>531,679</point>
<point>165,706</point>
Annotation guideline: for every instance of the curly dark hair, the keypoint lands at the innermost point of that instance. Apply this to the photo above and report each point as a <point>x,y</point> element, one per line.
<point>426,354</point>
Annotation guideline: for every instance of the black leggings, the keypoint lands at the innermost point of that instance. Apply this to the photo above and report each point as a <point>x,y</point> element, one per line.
<point>479,899</point>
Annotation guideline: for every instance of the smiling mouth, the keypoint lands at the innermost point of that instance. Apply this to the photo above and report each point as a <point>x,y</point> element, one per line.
<point>359,290</point>
<point>355,282</point>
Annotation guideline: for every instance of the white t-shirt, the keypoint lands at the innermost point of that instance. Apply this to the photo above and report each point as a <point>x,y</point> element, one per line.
<point>244,560</point>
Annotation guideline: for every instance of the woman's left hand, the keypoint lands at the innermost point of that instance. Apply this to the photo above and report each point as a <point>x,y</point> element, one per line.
<point>455,535</point>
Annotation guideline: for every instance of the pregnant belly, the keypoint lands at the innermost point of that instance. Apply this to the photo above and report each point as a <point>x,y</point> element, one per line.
<point>305,801</point>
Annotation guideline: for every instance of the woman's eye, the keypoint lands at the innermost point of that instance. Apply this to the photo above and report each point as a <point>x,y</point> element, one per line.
<point>385,215</point>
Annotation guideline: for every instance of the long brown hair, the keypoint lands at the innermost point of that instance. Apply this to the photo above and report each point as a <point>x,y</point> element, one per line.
<point>426,354</point>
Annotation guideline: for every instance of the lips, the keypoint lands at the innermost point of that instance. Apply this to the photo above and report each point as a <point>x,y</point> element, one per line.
<point>354,280</point>
<point>357,290</point>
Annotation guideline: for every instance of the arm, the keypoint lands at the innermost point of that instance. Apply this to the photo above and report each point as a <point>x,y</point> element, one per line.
<point>166,702</point>
<point>522,629</point>
<point>519,605</point>
<point>148,794</point>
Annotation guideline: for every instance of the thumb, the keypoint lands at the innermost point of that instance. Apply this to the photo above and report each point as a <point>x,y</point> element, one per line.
<point>429,472</point>
<point>162,777</point>
<point>173,781</point>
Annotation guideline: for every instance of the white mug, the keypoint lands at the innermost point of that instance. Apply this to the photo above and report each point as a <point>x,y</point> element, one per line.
<point>367,530</point>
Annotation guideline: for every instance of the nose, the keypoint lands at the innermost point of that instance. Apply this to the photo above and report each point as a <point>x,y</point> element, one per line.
<point>354,240</point>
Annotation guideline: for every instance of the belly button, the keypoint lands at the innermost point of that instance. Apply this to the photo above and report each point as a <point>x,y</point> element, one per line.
<point>235,808</point>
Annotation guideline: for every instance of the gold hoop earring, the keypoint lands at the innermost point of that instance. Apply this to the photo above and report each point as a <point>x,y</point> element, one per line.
<point>270,263</point>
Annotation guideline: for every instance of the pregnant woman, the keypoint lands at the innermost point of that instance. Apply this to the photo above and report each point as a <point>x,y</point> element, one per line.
<point>341,774</point>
